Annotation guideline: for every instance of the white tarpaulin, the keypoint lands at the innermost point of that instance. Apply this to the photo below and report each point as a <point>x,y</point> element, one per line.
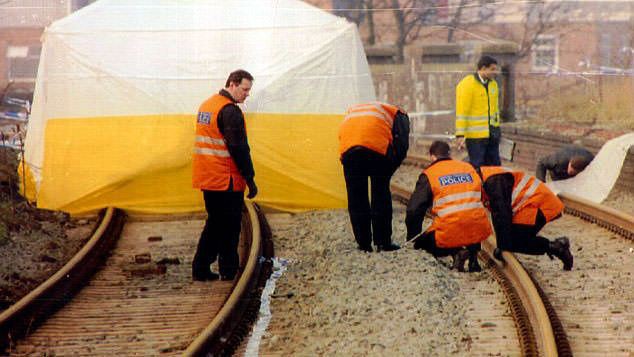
<point>596,181</point>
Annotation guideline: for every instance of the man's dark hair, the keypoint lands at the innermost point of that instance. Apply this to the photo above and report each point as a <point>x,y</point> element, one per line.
<point>579,162</point>
<point>486,61</point>
<point>237,77</point>
<point>440,149</point>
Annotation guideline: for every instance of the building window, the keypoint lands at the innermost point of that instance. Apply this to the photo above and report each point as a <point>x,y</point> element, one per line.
<point>545,53</point>
<point>23,62</point>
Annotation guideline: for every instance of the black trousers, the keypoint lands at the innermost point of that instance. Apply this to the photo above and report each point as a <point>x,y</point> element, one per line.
<point>485,151</point>
<point>428,242</point>
<point>371,221</point>
<point>219,238</point>
<point>524,238</point>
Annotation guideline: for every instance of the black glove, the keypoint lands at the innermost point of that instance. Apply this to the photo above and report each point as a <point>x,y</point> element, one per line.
<point>253,189</point>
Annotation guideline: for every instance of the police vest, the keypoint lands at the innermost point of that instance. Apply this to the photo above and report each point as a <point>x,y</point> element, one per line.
<point>476,107</point>
<point>213,166</point>
<point>459,216</point>
<point>529,194</point>
<point>368,125</point>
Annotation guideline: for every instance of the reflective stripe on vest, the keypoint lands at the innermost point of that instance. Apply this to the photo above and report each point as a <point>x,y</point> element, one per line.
<point>460,207</point>
<point>211,152</point>
<point>374,109</point>
<point>213,167</point>
<point>524,182</point>
<point>528,195</point>
<point>459,217</point>
<point>368,125</point>
<point>457,196</point>
<point>208,140</point>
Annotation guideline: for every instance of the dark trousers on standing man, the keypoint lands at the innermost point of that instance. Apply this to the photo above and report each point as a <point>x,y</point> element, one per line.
<point>485,151</point>
<point>219,238</point>
<point>371,221</point>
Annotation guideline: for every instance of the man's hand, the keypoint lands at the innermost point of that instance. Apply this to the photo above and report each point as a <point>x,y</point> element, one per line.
<point>460,142</point>
<point>253,189</point>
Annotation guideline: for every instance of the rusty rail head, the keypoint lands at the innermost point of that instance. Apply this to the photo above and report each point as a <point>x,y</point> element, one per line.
<point>214,337</point>
<point>607,217</point>
<point>531,317</point>
<point>32,309</point>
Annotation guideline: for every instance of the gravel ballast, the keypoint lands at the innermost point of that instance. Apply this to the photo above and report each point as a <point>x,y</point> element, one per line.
<point>334,299</point>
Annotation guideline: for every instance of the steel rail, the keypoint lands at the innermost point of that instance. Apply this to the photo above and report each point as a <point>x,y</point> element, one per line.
<point>607,217</point>
<point>531,317</point>
<point>20,318</point>
<point>217,334</point>
<point>222,334</point>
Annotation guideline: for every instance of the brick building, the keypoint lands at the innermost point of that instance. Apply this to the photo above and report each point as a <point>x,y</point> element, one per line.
<point>571,52</point>
<point>22,23</point>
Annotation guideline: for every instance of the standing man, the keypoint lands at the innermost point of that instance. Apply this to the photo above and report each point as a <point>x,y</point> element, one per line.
<point>452,189</point>
<point>373,141</point>
<point>520,206</point>
<point>477,114</point>
<point>222,169</point>
<point>565,163</point>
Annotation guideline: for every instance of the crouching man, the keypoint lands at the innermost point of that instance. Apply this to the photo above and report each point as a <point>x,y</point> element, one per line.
<point>520,206</point>
<point>452,189</point>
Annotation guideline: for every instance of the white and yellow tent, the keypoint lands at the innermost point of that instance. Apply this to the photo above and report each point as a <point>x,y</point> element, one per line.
<point>120,81</point>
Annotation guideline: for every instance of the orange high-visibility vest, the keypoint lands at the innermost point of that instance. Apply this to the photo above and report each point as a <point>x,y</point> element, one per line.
<point>368,125</point>
<point>214,167</point>
<point>529,195</point>
<point>459,216</point>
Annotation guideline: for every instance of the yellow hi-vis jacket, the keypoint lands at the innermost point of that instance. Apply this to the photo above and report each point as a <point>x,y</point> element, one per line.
<point>476,108</point>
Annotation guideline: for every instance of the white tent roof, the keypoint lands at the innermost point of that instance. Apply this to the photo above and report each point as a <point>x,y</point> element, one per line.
<point>145,57</point>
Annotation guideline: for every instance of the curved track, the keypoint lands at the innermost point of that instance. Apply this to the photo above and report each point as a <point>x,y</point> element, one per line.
<point>594,300</point>
<point>142,300</point>
<point>534,328</point>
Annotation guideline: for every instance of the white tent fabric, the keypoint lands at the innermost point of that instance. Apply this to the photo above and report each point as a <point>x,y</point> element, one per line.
<point>164,57</point>
<point>596,181</point>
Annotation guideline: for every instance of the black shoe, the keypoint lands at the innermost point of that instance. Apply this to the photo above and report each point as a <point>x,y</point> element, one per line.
<point>459,259</point>
<point>474,266</point>
<point>208,276</point>
<point>227,277</point>
<point>387,247</point>
<point>365,248</point>
<point>560,248</point>
<point>497,254</point>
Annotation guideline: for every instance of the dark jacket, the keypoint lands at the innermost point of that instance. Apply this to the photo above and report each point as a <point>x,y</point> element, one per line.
<point>231,125</point>
<point>422,198</point>
<point>499,190</point>
<point>557,163</point>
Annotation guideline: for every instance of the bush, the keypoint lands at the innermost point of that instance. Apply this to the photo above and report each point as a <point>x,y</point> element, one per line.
<point>606,104</point>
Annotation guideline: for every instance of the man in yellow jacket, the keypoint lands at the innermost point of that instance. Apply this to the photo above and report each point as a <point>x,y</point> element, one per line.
<point>477,114</point>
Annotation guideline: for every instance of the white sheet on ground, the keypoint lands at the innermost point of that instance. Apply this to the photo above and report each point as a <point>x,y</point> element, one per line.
<point>596,181</point>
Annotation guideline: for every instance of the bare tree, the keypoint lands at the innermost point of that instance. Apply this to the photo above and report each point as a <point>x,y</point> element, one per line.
<point>477,15</point>
<point>541,17</point>
<point>350,9</point>
<point>411,16</point>
<point>369,8</point>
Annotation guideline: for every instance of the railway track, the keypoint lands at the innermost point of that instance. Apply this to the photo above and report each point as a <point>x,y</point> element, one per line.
<point>589,300</point>
<point>141,299</point>
<point>538,327</point>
